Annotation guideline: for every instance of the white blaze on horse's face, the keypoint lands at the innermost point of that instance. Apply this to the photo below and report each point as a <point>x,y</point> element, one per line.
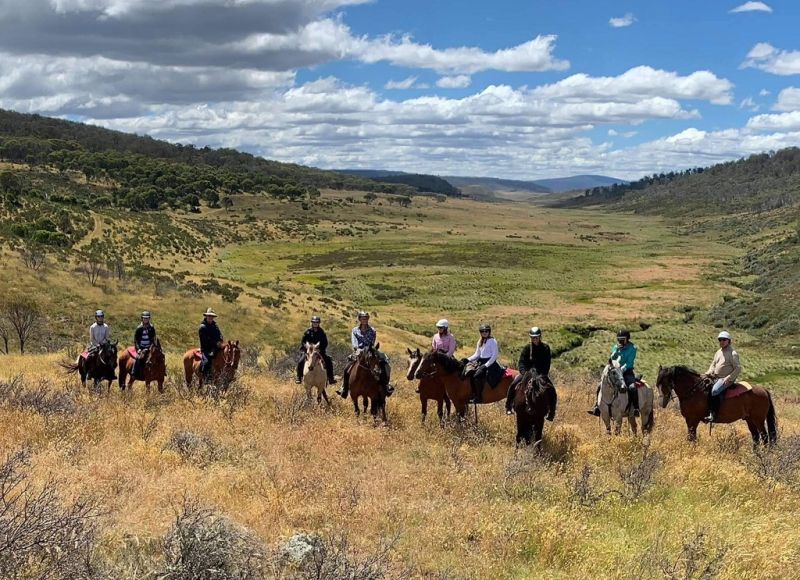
<point>413,362</point>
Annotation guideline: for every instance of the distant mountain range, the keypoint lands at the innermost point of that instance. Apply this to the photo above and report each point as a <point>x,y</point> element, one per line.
<point>490,186</point>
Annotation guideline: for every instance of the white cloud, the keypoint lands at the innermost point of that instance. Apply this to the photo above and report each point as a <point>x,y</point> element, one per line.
<point>766,57</point>
<point>638,83</point>
<point>454,82</point>
<point>752,7</point>
<point>404,84</point>
<point>749,103</point>
<point>622,21</point>
<point>777,122</point>
<point>788,100</point>
<point>764,93</point>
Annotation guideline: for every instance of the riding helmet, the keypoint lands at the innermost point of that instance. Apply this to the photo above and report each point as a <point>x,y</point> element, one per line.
<point>624,334</point>
<point>99,313</point>
<point>315,319</point>
<point>724,334</point>
<point>146,314</point>
<point>443,323</point>
<point>484,327</point>
<point>363,314</point>
<point>535,331</point>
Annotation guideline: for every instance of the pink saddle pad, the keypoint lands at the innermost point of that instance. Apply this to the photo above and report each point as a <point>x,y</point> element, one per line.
<point>509,373</point>
<point>132,351</point>
<point>735,391</point>
<point>85,354</point>
<point>198,355</point>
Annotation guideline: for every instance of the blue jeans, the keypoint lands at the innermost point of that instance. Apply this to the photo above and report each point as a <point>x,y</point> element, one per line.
<point>718,387</point>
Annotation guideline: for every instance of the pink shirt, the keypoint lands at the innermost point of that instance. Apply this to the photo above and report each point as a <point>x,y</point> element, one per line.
<point>446,343</point>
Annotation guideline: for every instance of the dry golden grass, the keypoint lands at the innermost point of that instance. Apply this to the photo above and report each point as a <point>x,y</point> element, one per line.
<point>461,500</point>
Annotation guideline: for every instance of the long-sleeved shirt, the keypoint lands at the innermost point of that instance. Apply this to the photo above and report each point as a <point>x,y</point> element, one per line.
<point>363,339</point>
<point>444,343</point>
<point>144,336</point>
<point>99,334</point>
<point>725,365</point>
<point>488,350</point>
<point>626,355</point>
<point>537,357</point>
<point>210,336</point>
<point>313,336</point>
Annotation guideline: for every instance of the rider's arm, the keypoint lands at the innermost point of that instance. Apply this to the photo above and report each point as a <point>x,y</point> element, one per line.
<point>630,358</point>
<point>354,339</point>
<point>491,345</point>
<point>477,354</point>
<point>451,349</point>
<point>323,343</point>
<point>547,360</point>
<point>737,368</point>
<point>522,367</point>
<point>137,338</point>
<point>713,366</point>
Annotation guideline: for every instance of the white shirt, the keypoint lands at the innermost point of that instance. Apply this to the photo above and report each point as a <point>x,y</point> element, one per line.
<point>99,334</point>
<point>488,349</point>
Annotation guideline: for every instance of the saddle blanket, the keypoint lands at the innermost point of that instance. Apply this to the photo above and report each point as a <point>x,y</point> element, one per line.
<point>198,354</point>
<point>85,354</point>
<point>738,389</point>
<point>641,384</point>
<point>509,373</point>
<point>132,352</point>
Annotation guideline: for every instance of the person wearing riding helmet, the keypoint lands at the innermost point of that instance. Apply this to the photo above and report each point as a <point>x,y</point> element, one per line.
<point>99,335</point>
<point>362,337</point>
<point>535,355</point>
<point>143,338</point>
<point>624,351</point>
<point>486,353</point>
<point>444,341</point>
<point>724,370</point>
<point>315,335</point>
<point>210,341</point>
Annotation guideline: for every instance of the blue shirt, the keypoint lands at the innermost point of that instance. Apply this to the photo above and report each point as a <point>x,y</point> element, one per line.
<point>626,355</point>
<point>362,340</point>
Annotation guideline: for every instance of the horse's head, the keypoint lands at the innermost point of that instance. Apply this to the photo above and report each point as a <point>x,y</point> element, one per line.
<point>665,384</point>
<point>428,365</point>
<point>612,375</point>
<point>231,353</point>
<point>107,355</point>
<point>414,358</point>
<point>155,355</point>
<point>313,356</point>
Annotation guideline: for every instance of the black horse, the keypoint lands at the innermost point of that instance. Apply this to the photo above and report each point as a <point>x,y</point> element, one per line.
<point>98,366</point>
<point>531,404</point>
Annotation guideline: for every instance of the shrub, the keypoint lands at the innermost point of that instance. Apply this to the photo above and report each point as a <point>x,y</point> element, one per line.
<point>195,448</point>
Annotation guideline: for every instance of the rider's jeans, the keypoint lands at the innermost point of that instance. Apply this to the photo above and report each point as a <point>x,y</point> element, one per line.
<point>718,387</point>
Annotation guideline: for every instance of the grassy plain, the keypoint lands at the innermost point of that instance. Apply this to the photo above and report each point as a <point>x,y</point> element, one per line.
<point>458,501</point>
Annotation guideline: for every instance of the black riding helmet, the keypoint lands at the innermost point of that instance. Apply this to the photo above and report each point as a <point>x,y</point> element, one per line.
<point>626,334</point>
<point>485,328</point>
<point>315,319</point>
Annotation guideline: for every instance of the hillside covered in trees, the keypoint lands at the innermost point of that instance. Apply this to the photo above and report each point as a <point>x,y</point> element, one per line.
<point>753,203</point>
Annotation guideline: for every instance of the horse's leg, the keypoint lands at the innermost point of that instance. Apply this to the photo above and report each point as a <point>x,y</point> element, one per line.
<point>161,386</point>
<point>325,396</point>
<point>383,410</point>
<point>538,429</point>
<point>440,410</point>
<point>691,426</point>
<point>366,403</point>
<point>308,391</point>
<point>520,428</point>
<point>632,423</point>
<point>605,415</point>
<point>354,398</point>
<point>147,388</point>
<point>754,432</point>
<point>424,402</point>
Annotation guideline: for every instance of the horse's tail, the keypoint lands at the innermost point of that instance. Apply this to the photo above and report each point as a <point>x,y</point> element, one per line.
<point>772,420</point>
<point>71,368</point>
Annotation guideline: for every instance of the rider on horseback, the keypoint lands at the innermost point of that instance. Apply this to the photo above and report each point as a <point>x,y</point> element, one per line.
<point>723,370</point>
<point>315,335</point>
<point>443,340</point>
<point>364,337</point>
<point>210,342</point>
<point>485,357</point>
<point>143,338</point>
<point>535,355</point>
<point>99,336</point>
<point>623,351</point>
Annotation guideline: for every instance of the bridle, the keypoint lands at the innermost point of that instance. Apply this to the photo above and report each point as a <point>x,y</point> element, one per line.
<point>369,355</point>
<point>229,355</point>
<point>315,357</point>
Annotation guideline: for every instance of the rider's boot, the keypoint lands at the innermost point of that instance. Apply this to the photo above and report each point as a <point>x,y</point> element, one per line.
<point>713,409</point>
<point>596,410</point>
<point>345,385</point>
<point>299,377</point>
<point>510,399</point>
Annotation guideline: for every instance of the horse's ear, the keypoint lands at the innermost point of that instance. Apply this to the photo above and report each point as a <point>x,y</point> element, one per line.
<point>418,353</point>
<point>377,346</point>
<point>610,362</point>
<point>236,343</point>
<point>659,368</point>
<point>408,350</point>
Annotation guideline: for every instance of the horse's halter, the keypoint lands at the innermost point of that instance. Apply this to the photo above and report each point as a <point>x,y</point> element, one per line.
<point>615,378</point>
<point>368,354</point>
<point>230,357</point>
<point>428,374</point>
<point>413,367</point>
<point>316,356</point>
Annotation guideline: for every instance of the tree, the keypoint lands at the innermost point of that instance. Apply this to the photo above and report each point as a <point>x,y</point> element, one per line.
<point>92,259</point>
<point>5,334</point>
<point>33,255</point>
<point>227,202</point>
<point>22,313</point>
<point>370,197</point>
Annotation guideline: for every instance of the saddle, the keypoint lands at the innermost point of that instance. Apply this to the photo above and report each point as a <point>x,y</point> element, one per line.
<point>737,389</point>
<point>197,354</point>
<point>132,352</point>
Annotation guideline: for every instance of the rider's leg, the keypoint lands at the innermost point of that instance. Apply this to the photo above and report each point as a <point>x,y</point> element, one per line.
<point>596,410</point>
<point>385,370</point>
<point>633,396</point>
<point>300,366</point>
<point>345,381</point>
<point>715,401</point>
<point>329,369</point>
<point>552,399</point>
<point>477,384</point>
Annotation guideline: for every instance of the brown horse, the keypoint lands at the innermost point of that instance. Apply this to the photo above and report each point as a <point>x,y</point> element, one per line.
<point>448,369</point>
<point>98,368</point>
<point>430,388</point>
<point>754,406</point>
<point>223,366</point>
<point>531,404</point>
<point>364,382</point>
<point>153,367</point>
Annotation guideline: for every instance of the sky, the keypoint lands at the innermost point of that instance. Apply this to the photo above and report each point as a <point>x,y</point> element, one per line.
<point>522,89</point>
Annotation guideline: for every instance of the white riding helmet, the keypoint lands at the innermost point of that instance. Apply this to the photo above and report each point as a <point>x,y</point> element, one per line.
<point>443,323</point>
<point>724,334</point>
<point>535,331</point>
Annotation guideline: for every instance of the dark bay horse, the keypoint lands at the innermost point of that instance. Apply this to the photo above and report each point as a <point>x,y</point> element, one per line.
<point>153,367</point>
<point>531,405</point>
<point>223,366</point>
<point>364,382</point>
<point>448,370</point>
<point>755,406</point>
<point>98,368</point>
<point>430,388</point>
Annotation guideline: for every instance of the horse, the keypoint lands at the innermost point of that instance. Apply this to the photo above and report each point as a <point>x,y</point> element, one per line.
<point>429,388</point>
<point>314,373</point>
<point>458,389</point>
<point>531,407</point>
<point>223,366</point>
<point>153,367</point>
<point>754,406</point>
<point>99,368</point>
<point>614,401</point>
<point>364,382</point>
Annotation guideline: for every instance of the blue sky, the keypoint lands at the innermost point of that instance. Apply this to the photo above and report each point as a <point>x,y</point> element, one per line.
<point>524,89</point>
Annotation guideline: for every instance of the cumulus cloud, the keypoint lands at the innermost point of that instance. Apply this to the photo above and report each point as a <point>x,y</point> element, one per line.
<point>404,84</point>
<point>622,21</point>
<point>752,7</point>
<point>788,100</point>
<point>749,103</point>
<point>766,57</point>
<point>455,82</point>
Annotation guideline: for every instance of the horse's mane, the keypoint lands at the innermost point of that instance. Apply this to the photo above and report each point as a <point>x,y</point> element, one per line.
<point>450,364</point>
<point>531,376</point>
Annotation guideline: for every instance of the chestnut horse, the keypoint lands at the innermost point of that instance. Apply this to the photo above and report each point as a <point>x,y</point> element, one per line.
<point>754,406</point>
<point>153,368</point>
<point>448,370</point>
<point>364,382</point>
<point>430,388</point>
<point>100,368</point>
<point>531,404</point>
<point>223,366</point>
